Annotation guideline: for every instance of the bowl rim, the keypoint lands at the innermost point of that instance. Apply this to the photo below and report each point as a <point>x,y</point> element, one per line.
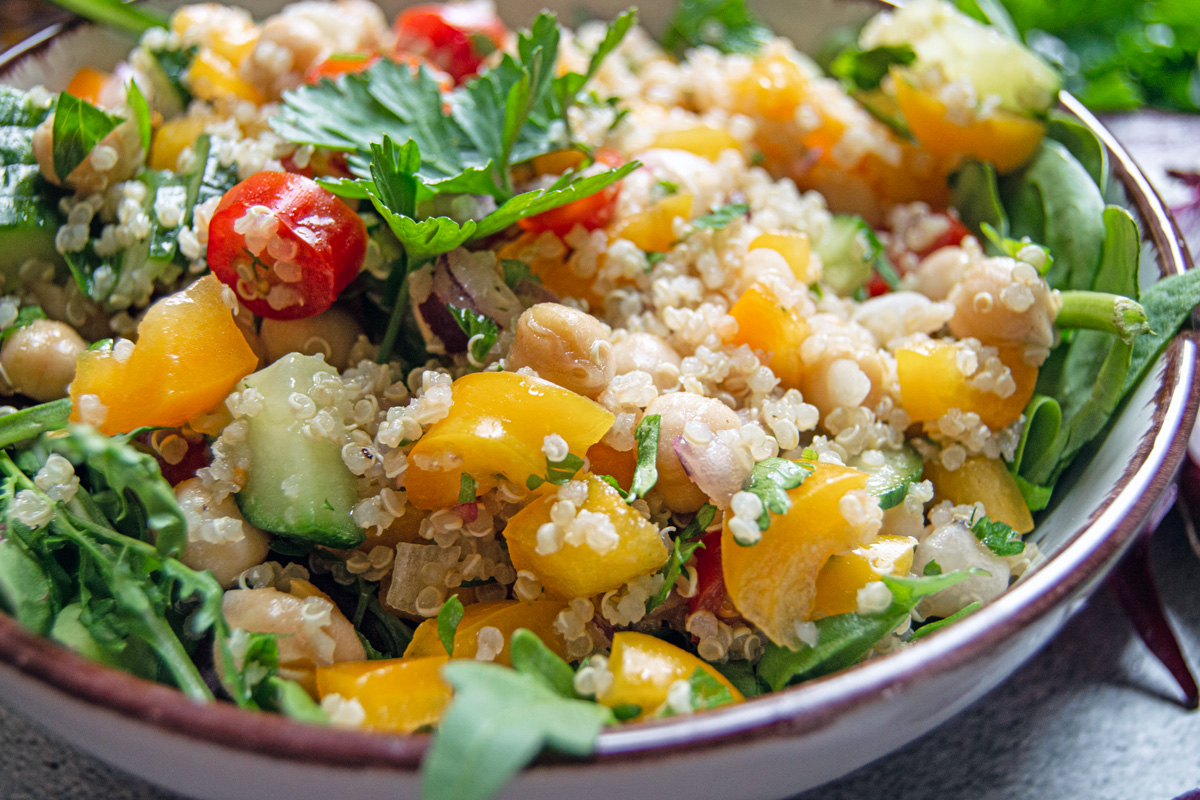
<point>1071,572</point>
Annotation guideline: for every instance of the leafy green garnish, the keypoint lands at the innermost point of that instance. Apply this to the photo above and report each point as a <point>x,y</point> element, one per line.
<point>707,691</point>
<point>134,18</point>
<point>78,127</point>
<point>645,474</point>
<point>686,543</point>
<point>517,271</point>
<point>449,615</point>
<point>864,70</point>
<point>30,422</point>
<point>770,479</point>
<point>1011,247</point>
<point>727,25</point>
<point>531,656</point>
<point>25,316</point>
<point>141,113</point>
<point>937,625</point>
<point>498,721</point>
<point>466,488</point>
<point>481,332</point>
<point>844,639</point>
<point>999,537</point>
<point>557,472</point>
<point>721,217</point>
<point>932,567</point>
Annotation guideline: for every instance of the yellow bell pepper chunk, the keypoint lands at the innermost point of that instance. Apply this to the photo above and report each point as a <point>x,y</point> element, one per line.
<point>769,328</point>
<point>233,40</point>
<point>504,615</point>
<point>843,575</point>
<point>986,480</point>
<point>546,255</point>
<point>400,695</point>
<point>577,570</point>
<point>87,84</point>
<point>774,583</point>
<point>189,355</point>
<point>212,76</point>
<point>497,424</point>
<point>653,230</point>
<point>172,137</point>
<point>644,667</point>
<point>1005,139</point>
<point>702,140</point>
<point>774,88</point>
<point>931,384</point>
<point>796,250</point>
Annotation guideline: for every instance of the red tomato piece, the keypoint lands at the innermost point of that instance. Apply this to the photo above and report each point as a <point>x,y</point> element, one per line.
<point>592,212</point>
<point>454,37</point>
<point>952,236</point>
<point>337,65</point>
<point>286,246</point>
<point>710,580</point>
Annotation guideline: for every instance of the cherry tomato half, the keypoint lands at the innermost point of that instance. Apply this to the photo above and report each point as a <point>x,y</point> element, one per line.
<point>710,580</point>
<point>335,65</point>
<point>454,37</point>
<point>286,246</point>
<point>592,212</point>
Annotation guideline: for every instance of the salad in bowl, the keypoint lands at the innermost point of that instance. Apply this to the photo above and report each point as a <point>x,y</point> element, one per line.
<point>436,377</point>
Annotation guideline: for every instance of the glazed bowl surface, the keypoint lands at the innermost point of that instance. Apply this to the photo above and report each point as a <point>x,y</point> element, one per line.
<point>768,747</point>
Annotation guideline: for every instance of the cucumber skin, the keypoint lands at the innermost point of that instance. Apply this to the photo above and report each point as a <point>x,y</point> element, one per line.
<point>904,466</point>
<point>321,512</point>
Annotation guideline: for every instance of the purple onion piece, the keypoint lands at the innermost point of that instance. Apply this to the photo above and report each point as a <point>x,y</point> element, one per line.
<point>476,276</point>
<point>715,468</point>
<point>442,324</point>
<point>1132,584</point>
<point>531,292</point>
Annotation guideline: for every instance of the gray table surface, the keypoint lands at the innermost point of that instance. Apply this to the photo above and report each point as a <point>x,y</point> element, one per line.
<point>1092,716</point>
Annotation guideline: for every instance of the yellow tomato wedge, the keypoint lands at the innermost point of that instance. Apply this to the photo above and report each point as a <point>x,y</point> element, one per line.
<point>986,480</point>
<point>653,230</point>
<point>188,356</point>
<point>702,140</point>
<point>769,328</point>
<point>497,424</point>
<point>796,250</point>
<point>644,667</point>
<point>931,384</point>
<point>399,695</point>
<point>843,575</point>
<point>774,583</point>
<point>212,76</point>
<point>505,616</point>
<point>578,570</point>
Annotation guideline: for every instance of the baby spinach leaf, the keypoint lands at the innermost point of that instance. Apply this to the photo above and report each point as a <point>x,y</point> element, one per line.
<point>976,194</point>
<point>741,675</point>
<point>141,113</point>
<point>135,18</point>
<point>1168,303</point>
<point>498,721</point>
<point>844,639</point>
<point>727,25</point>
<point>1087,148</point>
<point>531,656</point>
<point>1118,271</point>
<point>450,614</point>
<point>78,127</point>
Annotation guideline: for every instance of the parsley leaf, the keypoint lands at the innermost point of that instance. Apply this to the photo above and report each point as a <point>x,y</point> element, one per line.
<point>686,543</point>
<point>517,271</point>
<point>557,472</point>
<point>466,488</point>
<point>707,691</point>
<point>450,614</point>
<point>932,568</point>
<point>770,479</point>
<point>645,474</point>
<point>25,317</point>
<point>78,127</point>
<point>497,723</point>
<point>481,333</point>
<point>864,70</point>
<point>727,25</point>
<point>999,537</point>
<point>721,217</point>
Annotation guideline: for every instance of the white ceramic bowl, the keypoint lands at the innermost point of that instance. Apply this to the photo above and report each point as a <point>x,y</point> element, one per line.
<point>768,747</point>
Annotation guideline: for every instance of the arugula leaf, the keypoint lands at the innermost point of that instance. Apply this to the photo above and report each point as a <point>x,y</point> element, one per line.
<point>450,614</point>
<point>999,537</point>
<point>497,723</point>
<point>721,217</point>
<point>78,127</point>
<point>24,587</point>
<point>727,25</point>
<point>531,656</point>
<point>686,543</point>
<point>864,70</point>
<point>481,333</point>
<point>843,640</point>
<point>141,113</point>
<point>770,479</point>
<point>937,625</point>
<point>645,474</point>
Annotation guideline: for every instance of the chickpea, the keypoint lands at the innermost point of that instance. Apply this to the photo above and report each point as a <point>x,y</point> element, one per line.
<point>39,359</point>
<point>842,365</point>
<point>939,271</point>
<point>565,346</point>
<point>351,26</point>
<point>650,354</point>
<point>308,639</point>
<point>677,409</point>
<point>288,46</point>
<point>1002,301</point>
<point>219,540</point>
<point>118,161</point>
<point>954,547</point>
<point>331,334</point>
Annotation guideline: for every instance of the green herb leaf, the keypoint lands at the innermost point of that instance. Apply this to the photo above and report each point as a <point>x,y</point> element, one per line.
<point>450,614</point>
<point>531,656</point>
<point>481,333</point>
<point>645,474</point>
<point>707,691</point>
<point>864,70</point>
<point>932,567</point>
<point>497,723</point>
<point>1011,247</point>
<point>134,18</point>
<point>937,625</point>
<point>1168,304</point>
<point>466,488</point>
<point>770,479</point>
<point>686,543</point>
<point>517,271</point>
<point>1000,538</point>
<point>727,25</point>
<point>25,316</point>
<point>24,587</point>
<point>141,113</point>
<point>976,192</point>
<point>78,127</point>
<point>721,217</point>
<point>557,472</point>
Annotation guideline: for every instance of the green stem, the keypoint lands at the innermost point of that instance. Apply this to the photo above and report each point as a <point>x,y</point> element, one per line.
<point>1100,311</point>
<point>127,17</point>
<point>29,422</point>
<point>396,319</point>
